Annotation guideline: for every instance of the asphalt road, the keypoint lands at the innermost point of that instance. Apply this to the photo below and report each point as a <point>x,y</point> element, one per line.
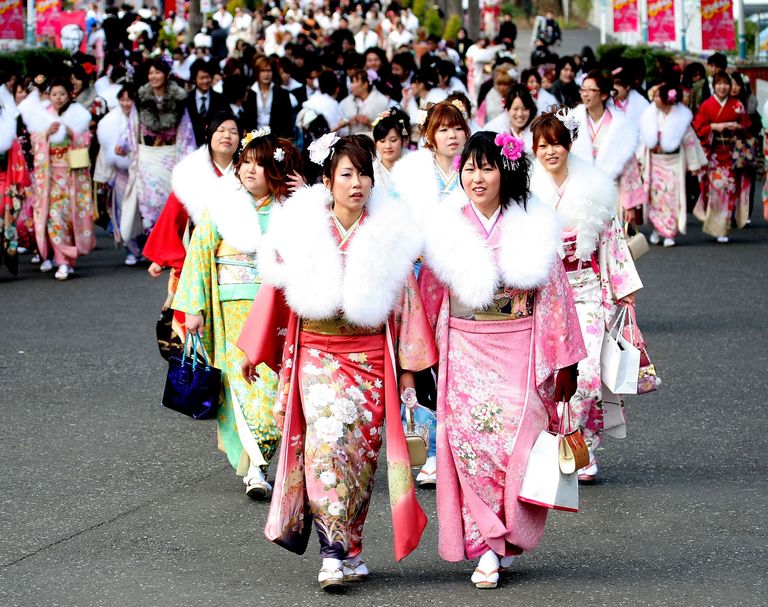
<point>106,498</point>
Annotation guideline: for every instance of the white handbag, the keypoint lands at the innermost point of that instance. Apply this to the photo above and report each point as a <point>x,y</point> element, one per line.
<point>619,359</point>
<point>544,484</point>
<point>614,417</point>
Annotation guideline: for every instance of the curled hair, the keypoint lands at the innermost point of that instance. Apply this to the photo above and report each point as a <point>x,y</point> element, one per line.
<point>262,151</point>
<point>396,119</point>
<point>551,129</point>
<point>520,91</point>
<point>359,154</point>
<point>515,186</point>
<point>442,114</point>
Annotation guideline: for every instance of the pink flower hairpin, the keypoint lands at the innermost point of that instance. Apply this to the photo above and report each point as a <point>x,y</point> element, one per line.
<point>512,148</point>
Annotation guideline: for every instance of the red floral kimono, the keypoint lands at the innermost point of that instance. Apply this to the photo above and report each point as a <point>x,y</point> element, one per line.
<point>14,181</point>
<point>343,317</point>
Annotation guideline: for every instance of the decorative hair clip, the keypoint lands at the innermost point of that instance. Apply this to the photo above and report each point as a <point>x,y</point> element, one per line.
<point>385,114</point>
<point>569,120</point>
<point>459,106</point>
<point>279,154</point>
<point>254,134</point>
<point>456,164</point>
<point>320,149</point>
<point>672,96</point>
<point>512,148</point>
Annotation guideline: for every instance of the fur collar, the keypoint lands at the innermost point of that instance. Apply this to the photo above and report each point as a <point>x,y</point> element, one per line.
<point>109,132</point>
<point>617,144</point>
<point>300,256</point>
<point>675,127</point>
<point>463,261</point>
<point>7,129</point>
<point>415,181</point>
<point>590,196</point>
<point>38,117</point>
<point>195,183</point>
<point>167,113</point>
<point>235,215</point>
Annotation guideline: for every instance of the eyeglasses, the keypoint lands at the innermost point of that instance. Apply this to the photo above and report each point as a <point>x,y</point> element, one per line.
<point>589,90</point>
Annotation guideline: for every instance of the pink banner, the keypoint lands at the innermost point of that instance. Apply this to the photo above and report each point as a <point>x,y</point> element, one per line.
<point>661,21</point>
<point>11,20</point>
<point>70,31</point>
<point>717,25</point>
<point>624,16</point>
<point>47,17</point>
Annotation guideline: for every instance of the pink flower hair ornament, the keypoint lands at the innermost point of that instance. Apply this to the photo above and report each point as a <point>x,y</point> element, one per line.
<point>512,148</point>
<point>456,163</point>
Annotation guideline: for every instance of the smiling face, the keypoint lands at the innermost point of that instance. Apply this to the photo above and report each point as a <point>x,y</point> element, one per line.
<point>591,96</point>
<point>156,78</point>
<point>567,74</point>
<point>58,96</point>
<point>391,147</point>
<point>251,175</point>
<point>533,84</point>
<point>126,103</point>
<point>482,183</point>
<point>203,81</point>
<point>449,140</point>
<point>372,62</point>
<point>518,114</point>
<point>552,156</point>
<point>224,139</point>
<point>350,188</point>
<point>722,89</point>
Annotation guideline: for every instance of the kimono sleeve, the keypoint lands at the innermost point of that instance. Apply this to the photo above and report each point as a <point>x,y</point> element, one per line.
<point>165,245</point>
<point>416,348</point>
<point>193,295</point>
<point>618,273</point>
<point>263,335</point>
<point>695,158</point>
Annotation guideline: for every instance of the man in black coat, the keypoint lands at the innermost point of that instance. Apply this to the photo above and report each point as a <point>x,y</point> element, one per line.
<point>265,96</point>
<point>203,103</point>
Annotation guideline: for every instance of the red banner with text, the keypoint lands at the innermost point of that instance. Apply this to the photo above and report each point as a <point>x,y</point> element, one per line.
<point>717,32</point>
<point>11,20</point>
<point>661,21</point>
<point>48,12</point>
<point>624,16</point>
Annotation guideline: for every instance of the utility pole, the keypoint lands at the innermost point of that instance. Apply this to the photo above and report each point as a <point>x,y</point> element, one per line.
<point>474,19</point>
<point>31,22</point>
<point>742,32</point>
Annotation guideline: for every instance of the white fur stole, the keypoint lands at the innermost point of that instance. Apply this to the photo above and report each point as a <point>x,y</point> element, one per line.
<point>617,144</point>
<point>675,127</point>
<point>196,184</point>
<point>234,214</point>
<point>300,255</point>
<point>39,117</point>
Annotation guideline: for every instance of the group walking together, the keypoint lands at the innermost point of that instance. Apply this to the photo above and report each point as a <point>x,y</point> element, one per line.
<point>345,228</point>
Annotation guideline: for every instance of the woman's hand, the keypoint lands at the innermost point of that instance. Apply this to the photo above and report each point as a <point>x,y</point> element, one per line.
<point>630,215</point>
<point>294,181</point>
<point>194,323</point>
<point>120,151</point>
<point>248,369</point>
<point>407,380</point>
<point>52,129</point>
<point>627,300</point>
<point>565,383</point>
<point>155,270</point>
<point>70,134</point>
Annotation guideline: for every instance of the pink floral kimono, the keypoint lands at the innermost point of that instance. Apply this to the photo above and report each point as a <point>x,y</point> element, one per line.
<point>500,347</point>
<point>338,320</point>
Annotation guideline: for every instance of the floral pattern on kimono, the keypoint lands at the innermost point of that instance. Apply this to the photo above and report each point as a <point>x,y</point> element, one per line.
<point>14,182</point>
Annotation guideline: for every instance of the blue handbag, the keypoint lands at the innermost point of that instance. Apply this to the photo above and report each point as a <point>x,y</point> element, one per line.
<point>192,387</point>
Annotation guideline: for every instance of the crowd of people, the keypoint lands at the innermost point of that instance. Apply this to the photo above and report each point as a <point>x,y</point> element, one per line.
<point>349,208</point>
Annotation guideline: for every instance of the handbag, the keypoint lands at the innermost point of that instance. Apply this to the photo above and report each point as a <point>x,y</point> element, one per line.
<point>544,483</point>
<point>637,243</point>
<point>614,415</point>
<point>416,435</point>
<point>78,158</point>
<point>619,359</point>
<point>647,379</point>
<point>574,453</point>
<point>192,388</point>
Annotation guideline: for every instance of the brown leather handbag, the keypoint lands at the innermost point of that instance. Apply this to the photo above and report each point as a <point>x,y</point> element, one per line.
<point>574,453</point>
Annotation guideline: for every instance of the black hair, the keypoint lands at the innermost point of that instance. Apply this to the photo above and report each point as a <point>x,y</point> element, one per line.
<point>396,119</point>
<point>691,71</point>
<point>745,90</point>
<point>328,83</point>
<point>520,91</point>
<point>721,76</point>
<point>515,176</point>
<point>159,65</point>
<point>127,88</point>
<point>234,88</point>
<point>426,76</point>
<point>218,119</point>
<point>718,60</point>
<point>562,62</point>
<point>406,61</point>
<point>526,75</point>
<point>201,65</point>
<point>359,154</point>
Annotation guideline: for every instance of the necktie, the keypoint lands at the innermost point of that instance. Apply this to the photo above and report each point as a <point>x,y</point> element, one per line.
<point>203,109</point>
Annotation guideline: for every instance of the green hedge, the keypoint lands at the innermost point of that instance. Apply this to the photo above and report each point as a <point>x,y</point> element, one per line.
<point>610,55</point>
<point>33,61</point>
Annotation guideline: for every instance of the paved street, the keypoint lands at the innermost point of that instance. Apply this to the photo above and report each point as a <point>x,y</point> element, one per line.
<point>106,498</point>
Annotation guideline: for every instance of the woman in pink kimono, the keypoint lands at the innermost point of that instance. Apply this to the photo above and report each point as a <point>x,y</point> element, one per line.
<point>339,314</point>
<point>63,195</point>
<point>595,256</point>
<point>509,343</point>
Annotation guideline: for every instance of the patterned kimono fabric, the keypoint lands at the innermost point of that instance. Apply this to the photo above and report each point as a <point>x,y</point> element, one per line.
<point>220,282</point>
<point>724,189</point>
<point>14,181</point>
<point>496,366</point>
<point>64,200</point>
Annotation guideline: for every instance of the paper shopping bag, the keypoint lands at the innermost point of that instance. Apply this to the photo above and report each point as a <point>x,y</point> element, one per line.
<point>619,360</point>
<point>544,484</point>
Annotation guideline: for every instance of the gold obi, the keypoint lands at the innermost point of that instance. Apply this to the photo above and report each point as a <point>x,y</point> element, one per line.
<point>337,325</point>
<point>507,304</point>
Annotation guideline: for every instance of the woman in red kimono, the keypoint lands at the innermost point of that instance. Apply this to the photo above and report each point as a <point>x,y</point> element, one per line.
<point>339,313</point>
<point>724,189</point>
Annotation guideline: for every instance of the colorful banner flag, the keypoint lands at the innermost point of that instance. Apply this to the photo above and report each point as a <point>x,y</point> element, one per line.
<point>717,25</point>
<point>47,17</point>
<point>624,16</point>
<point>661,21</point>
<point>11,20</point>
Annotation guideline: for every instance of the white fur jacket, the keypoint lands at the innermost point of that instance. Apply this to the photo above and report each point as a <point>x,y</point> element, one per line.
<point>472,268</point>
<point>197,186</point>
<point>7,128</point>
<point>109,131</point>
<point>300,255</point>
<point>676,125</point>
<point>234,216</point>
<point>588,204</point>
<point>617,144</point>
<point>38,117</point>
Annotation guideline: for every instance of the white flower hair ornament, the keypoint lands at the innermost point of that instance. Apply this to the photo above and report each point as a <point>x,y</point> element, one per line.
<point>279,154</point>
<point>569,120</point>
<point>254,134</point>
<point>321,148</point>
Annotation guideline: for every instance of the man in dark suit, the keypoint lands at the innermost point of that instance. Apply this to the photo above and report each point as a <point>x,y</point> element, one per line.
<point>203,103</point>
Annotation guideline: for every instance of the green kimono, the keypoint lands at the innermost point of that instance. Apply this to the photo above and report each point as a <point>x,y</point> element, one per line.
<point>220,282</point>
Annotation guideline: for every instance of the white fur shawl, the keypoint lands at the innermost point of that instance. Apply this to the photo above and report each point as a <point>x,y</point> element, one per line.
<point>590,195</point>
<point>8,102</point>
<point>300,255</point>
<point>675,126</point>
<point>196,184</point>
<point>234,215</point>
<point>415,181</point>
<point>109,131</point>
<point>464,261</point>
<point>617,144</point>
<point>38,117</point>
<point>7,129</point>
